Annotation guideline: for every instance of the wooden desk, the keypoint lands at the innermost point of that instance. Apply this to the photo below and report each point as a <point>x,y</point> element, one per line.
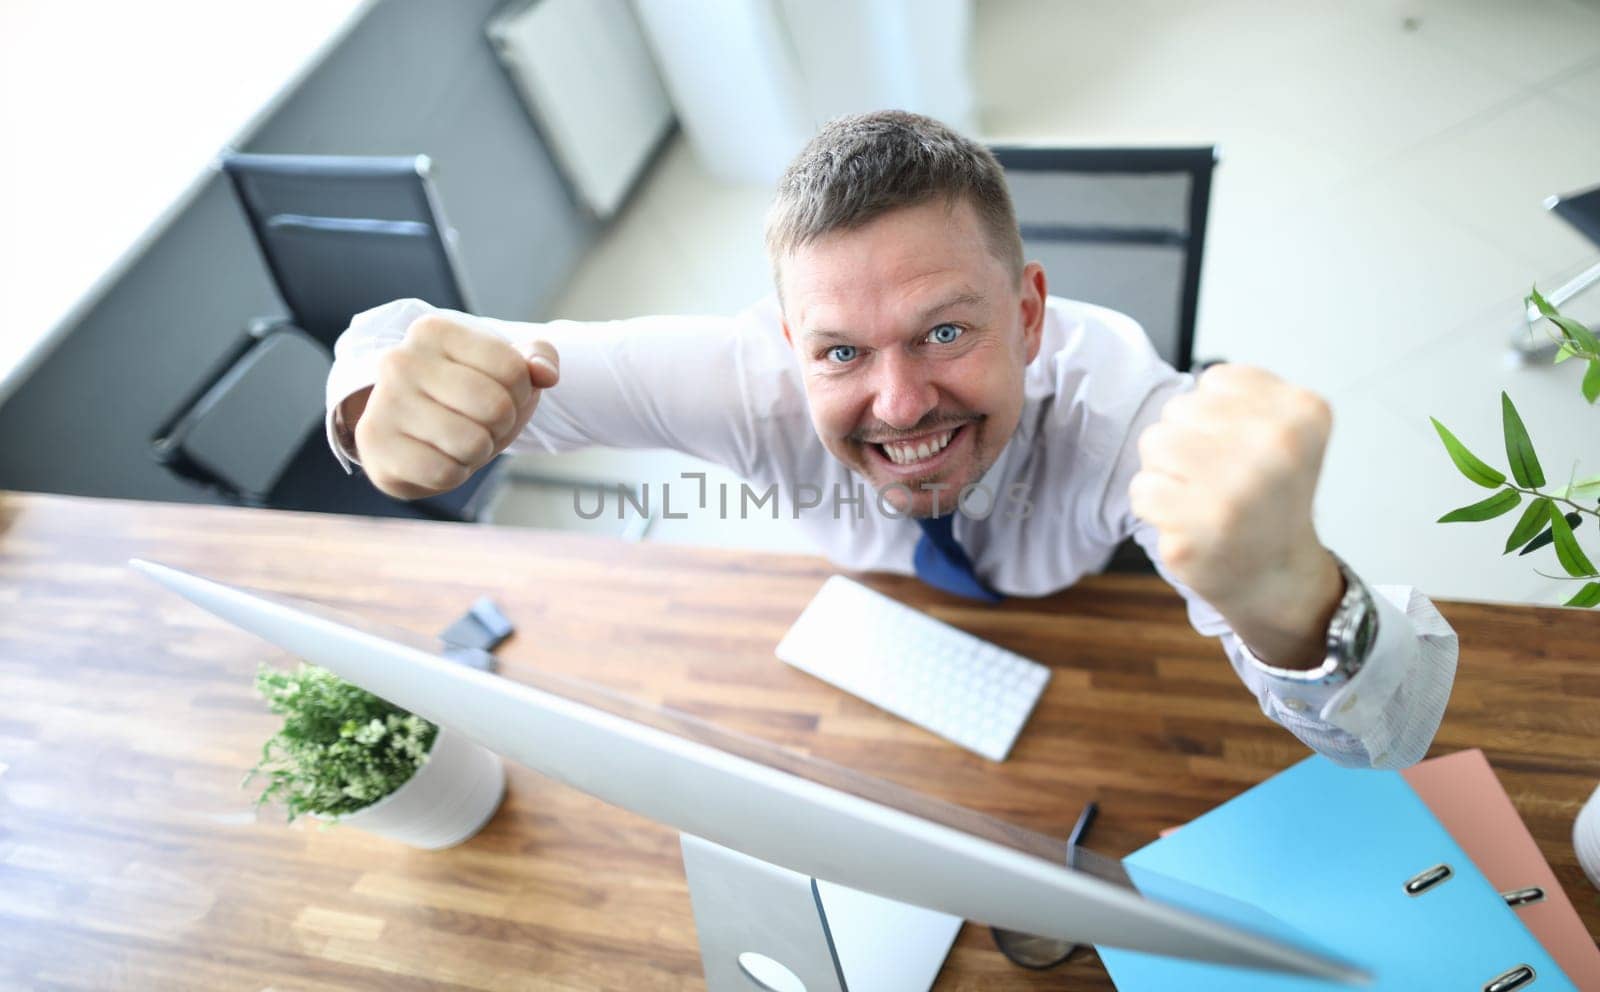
<point>130,858</point>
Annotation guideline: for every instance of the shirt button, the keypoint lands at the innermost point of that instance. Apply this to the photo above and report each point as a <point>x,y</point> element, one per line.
<point>1295,704</point>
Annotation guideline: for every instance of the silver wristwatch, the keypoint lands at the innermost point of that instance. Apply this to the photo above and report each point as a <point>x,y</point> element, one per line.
<point>1351,634</point>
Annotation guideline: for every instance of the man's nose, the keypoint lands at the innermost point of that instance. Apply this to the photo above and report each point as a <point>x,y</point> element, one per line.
<point>904,392</point>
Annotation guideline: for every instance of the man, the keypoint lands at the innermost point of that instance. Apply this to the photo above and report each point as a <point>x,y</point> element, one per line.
<point>936,372</point>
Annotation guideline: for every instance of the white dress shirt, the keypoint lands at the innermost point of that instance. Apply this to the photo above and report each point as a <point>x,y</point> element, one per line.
<point>1052,509</point>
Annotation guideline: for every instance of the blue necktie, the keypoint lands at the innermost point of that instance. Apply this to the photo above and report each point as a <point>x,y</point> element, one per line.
<point>941,562</point>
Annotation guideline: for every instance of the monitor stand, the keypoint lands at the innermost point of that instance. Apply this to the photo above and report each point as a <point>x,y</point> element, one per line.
<point>822,937</point>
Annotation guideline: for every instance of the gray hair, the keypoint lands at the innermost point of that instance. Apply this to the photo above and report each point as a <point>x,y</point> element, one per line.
<point>859,168</point>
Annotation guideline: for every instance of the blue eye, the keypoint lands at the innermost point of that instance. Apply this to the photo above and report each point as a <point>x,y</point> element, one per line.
<point>945,334</point>
<point>842,353</point>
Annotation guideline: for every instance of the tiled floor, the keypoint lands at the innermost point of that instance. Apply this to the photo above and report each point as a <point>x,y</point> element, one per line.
<point>1375,221</point>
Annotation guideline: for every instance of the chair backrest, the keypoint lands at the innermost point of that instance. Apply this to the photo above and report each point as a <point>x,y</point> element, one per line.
<point>1121,227</point>
<point>344,234</point>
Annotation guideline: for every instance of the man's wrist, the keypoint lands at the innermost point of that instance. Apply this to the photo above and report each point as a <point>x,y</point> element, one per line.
<point>1286,624</point>
<point>354,406</point>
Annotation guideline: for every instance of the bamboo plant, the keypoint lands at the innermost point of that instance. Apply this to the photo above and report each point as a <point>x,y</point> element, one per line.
<point>1552,516</point>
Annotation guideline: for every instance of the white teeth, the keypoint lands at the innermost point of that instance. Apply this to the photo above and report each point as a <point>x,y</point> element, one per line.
<point>905,454</point>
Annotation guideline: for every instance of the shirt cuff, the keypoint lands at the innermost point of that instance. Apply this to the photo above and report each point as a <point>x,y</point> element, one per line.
<point>1363,707</point>
<point>341,440</point>
<point>349,377</point>
<point>1358,707</point>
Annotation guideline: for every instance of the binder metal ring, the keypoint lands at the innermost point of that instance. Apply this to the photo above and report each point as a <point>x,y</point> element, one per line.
<point>1517,898</point>
<point>1428,879</point>
<point>1519,977</point>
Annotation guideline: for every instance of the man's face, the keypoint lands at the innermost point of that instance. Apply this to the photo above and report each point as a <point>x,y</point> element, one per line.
<point>912,338</point>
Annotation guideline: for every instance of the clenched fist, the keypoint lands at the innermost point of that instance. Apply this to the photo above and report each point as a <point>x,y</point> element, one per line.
<point>448,399</point>
<point>1227,477</point>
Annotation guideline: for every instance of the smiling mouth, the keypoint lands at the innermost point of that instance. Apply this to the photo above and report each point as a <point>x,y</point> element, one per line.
<point>908,454</point>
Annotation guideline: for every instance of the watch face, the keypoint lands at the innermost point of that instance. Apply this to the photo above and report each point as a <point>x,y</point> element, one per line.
<point>1366,631</point>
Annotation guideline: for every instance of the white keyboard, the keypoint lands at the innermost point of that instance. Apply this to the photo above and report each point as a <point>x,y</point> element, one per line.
<point>960,687</point>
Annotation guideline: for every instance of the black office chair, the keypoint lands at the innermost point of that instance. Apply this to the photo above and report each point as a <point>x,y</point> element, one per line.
<point>1124,228</point>
<point>339,236</point>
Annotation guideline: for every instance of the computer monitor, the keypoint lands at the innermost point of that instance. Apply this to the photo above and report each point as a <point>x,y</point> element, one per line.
<point>807,816</point>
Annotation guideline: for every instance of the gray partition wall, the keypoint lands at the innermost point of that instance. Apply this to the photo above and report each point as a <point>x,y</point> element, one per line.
<point>411,76</point>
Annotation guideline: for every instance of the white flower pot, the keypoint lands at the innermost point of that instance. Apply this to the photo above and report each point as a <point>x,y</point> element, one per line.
<point>447,800</point>
<point>1586,838</point>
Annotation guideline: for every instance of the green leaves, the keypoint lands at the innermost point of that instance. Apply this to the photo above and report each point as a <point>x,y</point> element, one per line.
<point>1503,501</point>
<point>1572,332</point>
<point>1588,596</point>
<point>1576,340</point>
<point>1542,522</point>
<point>1575,334</point>
<point>1519,448</point>
<point>1538,300</point>
<point>1546,537</point>
<point>1470,465</point>
<point>1568,552</point>
<point>1534,519</point>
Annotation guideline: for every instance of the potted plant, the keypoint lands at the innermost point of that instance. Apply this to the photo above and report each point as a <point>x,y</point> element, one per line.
<point>1553,515</point>
<point>346,756</point>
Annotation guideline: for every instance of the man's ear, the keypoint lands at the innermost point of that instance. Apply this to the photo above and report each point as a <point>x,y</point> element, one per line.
<point>1034,292</point>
